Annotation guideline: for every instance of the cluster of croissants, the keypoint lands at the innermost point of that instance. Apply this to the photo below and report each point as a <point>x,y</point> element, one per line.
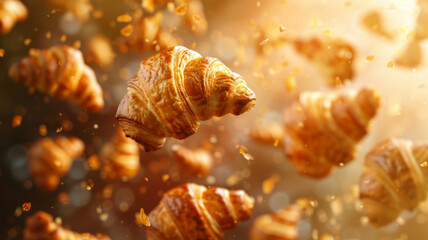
<point>177,88</point>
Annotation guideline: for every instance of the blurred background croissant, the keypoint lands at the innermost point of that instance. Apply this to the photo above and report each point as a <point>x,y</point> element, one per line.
<point>233,33</point>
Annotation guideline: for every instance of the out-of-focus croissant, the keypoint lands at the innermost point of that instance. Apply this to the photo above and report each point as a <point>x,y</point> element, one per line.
<point>281,225</point>
<point>334,58</point>
<point>80,8</point>
<point>194,17</point>
<point>50,159</point>
<point>192,211</point>
<point>394,179</point>
<point>11,11</point>
<point>272,134</point>
<point>60,72</point>
<point>41,226</point>
<point>198,162</point>
<point>120,157</point>
<point>147,34</point>
<point>173,91</point>
<point>100,51</point>
<point>322,129</point>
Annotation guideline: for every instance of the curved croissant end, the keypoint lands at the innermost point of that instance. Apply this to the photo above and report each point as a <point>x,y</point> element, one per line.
<point>393,180</point>
<point>272,134</point>
<point>322,130</point>
<point>50,159</point>
<point>333,57</point>
<point>281,225</point>
<point>120,157</point>
<point>11,11</point>
<point>60,72</point>
<point>173,91</point>
<point>198,162</point>
<point>192,211</point>
<point>41,226</point>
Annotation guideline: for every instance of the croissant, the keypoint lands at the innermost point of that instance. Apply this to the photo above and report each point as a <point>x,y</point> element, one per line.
<point>100,51</point>
<point>11,11</point>
<point>194,17</point>
<point>192,211</point>
<point>333,57</point>
<point>120,157</point>
<point>147,34</point>
<point>271,134</point>
<point>50,159</point>
<point>198,162</point>
<point>80,8</point>
<point>60,72</point>
<point>394,179</point>
<point>173,91</point>
<point>281,225</point>
<point>322,129</point>
<point>41,226</point>
<point>411,57</point>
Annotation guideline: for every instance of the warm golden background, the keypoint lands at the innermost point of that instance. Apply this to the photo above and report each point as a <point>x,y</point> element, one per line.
<point>233,27</point>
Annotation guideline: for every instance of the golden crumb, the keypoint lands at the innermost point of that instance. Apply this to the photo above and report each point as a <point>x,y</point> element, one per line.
<point>93,162</point>
<point>181,9</point>
<point>269,184</point>
<point>27,41</point>
<point>98,13</point>
<point>16,121</point>
<point>424,164</point>
<point>281,27</point>
<point>77,44</point>
<point>290,83</point>
<point>390,64</point>
<point>26,206</point>
<point>165,177</point>
<point>1,52</point>
<point>370,58</point>
<point>170,6</point>
<point>144,218</point>
<point>232,179</point>
<point>63,38</point>
<point>264,42</point>
<point>48,35</point>
<point>43,130</point>
<point>59,129</point>
<point>126,18</point>
<point>247,156</point>
<point>127,30</point>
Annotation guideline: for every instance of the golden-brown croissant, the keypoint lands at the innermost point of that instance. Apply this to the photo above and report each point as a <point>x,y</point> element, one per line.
<point>194,17</point>
<point>271,134</point>
<point>147,34</point>
<point>80,8</point>
<point>281,225</point>
<point>11,11</point>
<point>394,179</point>
<point>334,58</point>
<point>192,211</point>
<point>51,158</point>
<point>323,129</point>
<point>173,91</point>
<point>198,162</point>
<point>411,57</point>
<point>120,157</point>
<point>41,226</point>
<point>60,72</point>
<point>100,51</point>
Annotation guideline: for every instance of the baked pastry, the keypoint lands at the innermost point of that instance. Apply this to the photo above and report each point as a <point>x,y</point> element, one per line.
<point>173,91</point>
<point>394,179</point>
<point>191,211</point>
<point>195,162</point>
<point>60,72</point>
<point>280,225</point>
<point>51,158</point>
<point>80,8</point>
<point>11,12</point>
<point>147,35</point>
<point>334,58</point>
<point>322,129</point>
<point>41,226</point>
<point>120,157</point>
<point>100,51</point>
<point>271,134</point>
